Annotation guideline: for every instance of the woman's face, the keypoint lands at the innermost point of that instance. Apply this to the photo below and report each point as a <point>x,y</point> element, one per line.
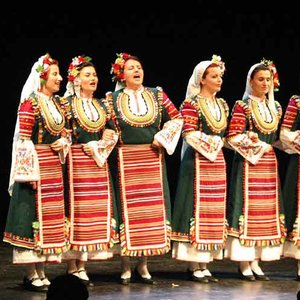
<point>133,74</point>
<point>54,79</point>
<point>261,83</point>
<point>212,81</point>
<point>88,79</point>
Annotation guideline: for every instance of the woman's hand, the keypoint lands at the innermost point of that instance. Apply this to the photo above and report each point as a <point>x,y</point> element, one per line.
<point>33,184</point>
<point>56,146</point>
<point>268,149</point>
<point>156,144</point>
<point>88,150</point>
<point>108,134</point>
<point>253,136</point>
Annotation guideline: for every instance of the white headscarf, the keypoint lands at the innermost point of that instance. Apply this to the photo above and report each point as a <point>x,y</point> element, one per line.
<point>194,86</point>
<point>73,88</point>
<point>249,90</point>
<point>119,85</point>
<point>32,84</point>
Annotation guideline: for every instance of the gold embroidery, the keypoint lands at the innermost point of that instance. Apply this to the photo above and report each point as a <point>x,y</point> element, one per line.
<point>216,126</point>
<point>135,120</point>
<point>260,123</point>
<point>52,126</point>
<point>83,120</point>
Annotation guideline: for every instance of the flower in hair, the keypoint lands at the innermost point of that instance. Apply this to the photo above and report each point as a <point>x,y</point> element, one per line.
<point>117,68</point>
<point>76,62</point>
<point>272,67</point>
<point>43,66</point>
<point>216,59</point>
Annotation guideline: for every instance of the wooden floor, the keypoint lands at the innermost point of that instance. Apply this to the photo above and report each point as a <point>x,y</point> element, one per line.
<point>171,280</point>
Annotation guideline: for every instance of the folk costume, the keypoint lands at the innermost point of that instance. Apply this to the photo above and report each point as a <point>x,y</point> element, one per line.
<point>140,171</point>
<point>142,179</point>
<point>36,219</point>
<point>91,201</point>
<point>199,212</point>
<point>290,138</point>
<point>255,211</point>
<point>35,223</point>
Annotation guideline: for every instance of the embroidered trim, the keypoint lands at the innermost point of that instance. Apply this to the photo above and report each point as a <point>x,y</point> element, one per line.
<point>144,252</point>
<point>261,124</point>
<point>50,124</point>
<point>83,120</point>
<point>138,121</point>
<point>261,243</point>
<point>216,126</point>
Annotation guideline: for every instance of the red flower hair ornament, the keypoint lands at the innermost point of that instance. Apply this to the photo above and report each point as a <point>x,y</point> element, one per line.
<point>73,84</point>
<point>117,68</point>
<point>272,67</point>
<point>73,67</point>
<point>43,66</point>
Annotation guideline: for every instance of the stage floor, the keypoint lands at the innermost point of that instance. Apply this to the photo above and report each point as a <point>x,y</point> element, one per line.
<point>171,280</point>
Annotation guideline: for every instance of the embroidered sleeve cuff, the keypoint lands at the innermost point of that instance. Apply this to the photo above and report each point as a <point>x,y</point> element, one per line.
<point>169,136</point>
<point>26,166</point>
<point>249,149</point>
<point>102,149</point>
<point>289,141</point>
<point>207,145</point>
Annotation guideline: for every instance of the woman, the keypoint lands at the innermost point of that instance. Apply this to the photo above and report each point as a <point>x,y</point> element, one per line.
<point>198,222</point>
<point>147,121</point>
<point>290,138</point>
<point>36,215</point>
<point>91,215</point>
<point>256,230</point>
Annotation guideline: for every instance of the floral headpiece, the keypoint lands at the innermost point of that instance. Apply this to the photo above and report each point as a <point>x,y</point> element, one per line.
<point>43,66</point>
<point>216,59</point>
<point>76,62</point>
<point>271,66</point>
<point>117,68</point>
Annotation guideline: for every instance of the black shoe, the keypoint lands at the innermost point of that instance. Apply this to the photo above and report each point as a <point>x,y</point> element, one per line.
<point>297,278</point>
<point>138,278</point>
<point>192,277</point>
<point>86,282</point>
<point>210,277</point>
<point>29,286</point>
<point>261,277</point>
<point>125,281</point>
<point>246,277</point>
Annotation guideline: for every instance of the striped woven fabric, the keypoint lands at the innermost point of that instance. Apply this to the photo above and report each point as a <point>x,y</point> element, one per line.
<point>291,112</point>
<point>208,229</point>
<point>145,229</point>
<point>50,202</point>
<point>90,202</point>
<point>261,204</point>
<point>295,234</point>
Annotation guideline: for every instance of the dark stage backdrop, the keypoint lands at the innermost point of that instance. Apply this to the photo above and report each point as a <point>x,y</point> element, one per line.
<point>170,43</point>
